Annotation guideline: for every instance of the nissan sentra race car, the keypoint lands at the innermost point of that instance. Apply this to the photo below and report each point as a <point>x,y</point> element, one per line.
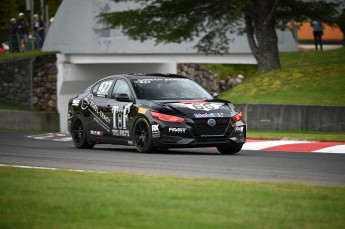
<point>153,112</point>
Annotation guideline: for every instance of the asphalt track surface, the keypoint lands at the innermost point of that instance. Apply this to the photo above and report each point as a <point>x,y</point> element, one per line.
<point>273,166</point>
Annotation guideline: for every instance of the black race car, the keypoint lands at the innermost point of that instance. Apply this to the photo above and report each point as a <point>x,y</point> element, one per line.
<point>154,111</point>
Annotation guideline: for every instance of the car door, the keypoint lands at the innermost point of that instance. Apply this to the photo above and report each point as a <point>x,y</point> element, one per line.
<point>97,106</point>
<point>119,107</point>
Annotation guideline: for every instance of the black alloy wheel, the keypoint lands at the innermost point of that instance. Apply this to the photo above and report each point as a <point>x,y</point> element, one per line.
<point>79,135</point>
<point>142,136</point>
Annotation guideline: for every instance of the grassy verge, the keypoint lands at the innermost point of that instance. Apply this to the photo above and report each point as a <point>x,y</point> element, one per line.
<point>60,199</point>
<point>311,78</point>
<point>297,135</point>
<point>8,56</point>
<point>223,70</point>
<point>13,106</point>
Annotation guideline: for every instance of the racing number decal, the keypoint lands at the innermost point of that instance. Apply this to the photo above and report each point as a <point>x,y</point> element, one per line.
<point>104,88</point>
<point>204,106</point>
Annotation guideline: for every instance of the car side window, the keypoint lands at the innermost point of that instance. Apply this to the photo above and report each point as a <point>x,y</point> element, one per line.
<point>102,88</point>
<point>121,87</point>
<point>95,88</point>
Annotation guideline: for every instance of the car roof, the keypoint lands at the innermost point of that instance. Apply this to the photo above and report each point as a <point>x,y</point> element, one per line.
<point>145,75</point>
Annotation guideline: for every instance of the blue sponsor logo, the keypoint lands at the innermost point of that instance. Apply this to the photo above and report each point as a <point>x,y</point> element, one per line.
<point>208,115</point>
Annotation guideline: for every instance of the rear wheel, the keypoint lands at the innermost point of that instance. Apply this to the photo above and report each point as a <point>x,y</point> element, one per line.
<point>143,137</point>
<point>229,149</point>
<point>79,135</point>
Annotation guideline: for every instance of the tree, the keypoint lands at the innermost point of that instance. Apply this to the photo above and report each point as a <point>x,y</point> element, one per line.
<point>340,21</point>
<point>6,9</point>
<point>213,20</point>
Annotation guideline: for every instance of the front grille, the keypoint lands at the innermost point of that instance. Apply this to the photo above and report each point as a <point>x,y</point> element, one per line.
<point>211,139</point>
<point>204,129</point>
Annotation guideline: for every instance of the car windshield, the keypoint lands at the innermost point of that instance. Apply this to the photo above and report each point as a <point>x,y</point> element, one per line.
<point>169,89</point>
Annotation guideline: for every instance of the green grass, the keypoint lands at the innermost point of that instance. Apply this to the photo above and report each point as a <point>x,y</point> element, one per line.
<point>297,135</point>
<point>61,199</point>
<point>13,106</point>
<point>32,198</point>
<point>223,70</point>
<point>8,56</point>
<point>309,78</point>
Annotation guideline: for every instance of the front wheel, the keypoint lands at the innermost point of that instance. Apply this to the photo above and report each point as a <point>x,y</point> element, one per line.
<point>229,149</point>
<point>142,136</point>
<point>79,135</point>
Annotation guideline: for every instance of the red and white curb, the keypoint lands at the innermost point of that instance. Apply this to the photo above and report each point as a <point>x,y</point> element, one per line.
<point>60,137</point>
<point>278,145</point>
<point>295,146</point>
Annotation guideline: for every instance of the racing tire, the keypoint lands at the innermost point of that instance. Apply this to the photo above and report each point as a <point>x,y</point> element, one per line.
<point>142,136</point>
<point>229,149</point>
<point>79,135</point>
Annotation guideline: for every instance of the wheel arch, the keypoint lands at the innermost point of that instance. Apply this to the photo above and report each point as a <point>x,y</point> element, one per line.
<point>149,146</point>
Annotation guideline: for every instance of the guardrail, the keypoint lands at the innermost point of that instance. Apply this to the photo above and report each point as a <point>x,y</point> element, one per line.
<point>294,117</point>
<point>257,117</point>
<point>29,120</point>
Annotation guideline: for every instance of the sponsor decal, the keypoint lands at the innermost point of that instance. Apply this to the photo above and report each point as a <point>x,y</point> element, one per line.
<point>177,130</point>
<point>147,81</point>
<point>239,129</point>
<point>120,116</point>
<point>204,106</point>
<point>209,115</point>
<point>75,102</point>
<point>102,124</point>
<point>88,103</point>
<point>96,132</point>
<point>130,143</point>
<point>121,133</point>
<point>142,110</point>
<point>193,102</point>
<point>155,127</point>
<point>155,131</point>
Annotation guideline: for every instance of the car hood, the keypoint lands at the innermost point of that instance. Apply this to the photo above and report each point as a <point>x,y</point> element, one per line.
<point>199,108</point>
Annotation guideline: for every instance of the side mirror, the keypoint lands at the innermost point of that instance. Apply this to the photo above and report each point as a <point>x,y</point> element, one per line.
<point>122,98</point>
<point>215,95</point>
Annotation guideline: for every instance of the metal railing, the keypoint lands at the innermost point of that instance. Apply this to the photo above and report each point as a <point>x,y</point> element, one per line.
<point>18,43</point>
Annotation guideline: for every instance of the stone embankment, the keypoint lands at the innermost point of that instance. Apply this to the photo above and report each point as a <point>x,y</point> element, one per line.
<point>204,77</point>
<point>30,81</point>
